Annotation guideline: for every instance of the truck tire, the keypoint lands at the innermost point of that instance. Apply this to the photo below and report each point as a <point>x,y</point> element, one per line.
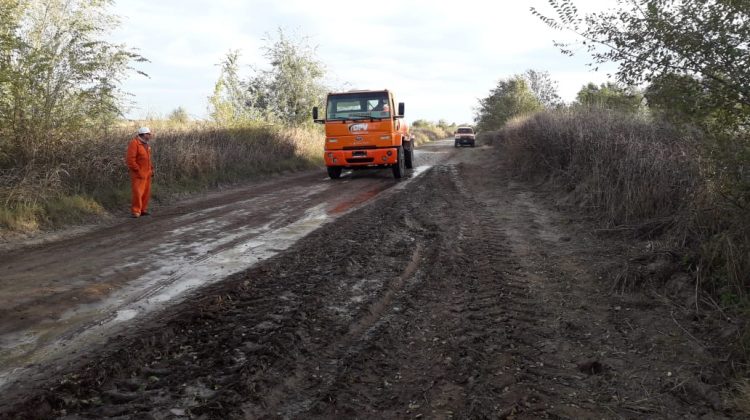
<point>409,156</point>
<point>400,167</point>
<point>334,172</point>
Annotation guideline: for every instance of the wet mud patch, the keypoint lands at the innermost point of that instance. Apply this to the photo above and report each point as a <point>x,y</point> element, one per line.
<point>460,295</point>
<point>242,339</point>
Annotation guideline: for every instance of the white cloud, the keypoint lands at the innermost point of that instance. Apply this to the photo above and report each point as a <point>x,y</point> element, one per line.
<point>438,56</point>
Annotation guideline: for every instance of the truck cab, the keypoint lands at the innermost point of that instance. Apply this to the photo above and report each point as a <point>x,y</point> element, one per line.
<point>364,129</point>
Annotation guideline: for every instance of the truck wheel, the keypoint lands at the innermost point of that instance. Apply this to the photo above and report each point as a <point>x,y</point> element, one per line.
<point>400,167</point>
<point>455,144</point>
<point>472,144</point>
<point>334,172</point>
<point>409,156</point>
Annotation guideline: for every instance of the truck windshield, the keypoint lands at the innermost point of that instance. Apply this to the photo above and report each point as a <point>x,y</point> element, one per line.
<point>359,105</point>
<point>465,130</point>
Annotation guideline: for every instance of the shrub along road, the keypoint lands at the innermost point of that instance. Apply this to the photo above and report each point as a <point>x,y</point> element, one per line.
<point>458,293</point>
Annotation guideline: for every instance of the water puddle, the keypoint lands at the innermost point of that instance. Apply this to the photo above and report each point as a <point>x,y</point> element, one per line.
<point>419,170</point>
<point>125,315</point>
<point>183,262</point>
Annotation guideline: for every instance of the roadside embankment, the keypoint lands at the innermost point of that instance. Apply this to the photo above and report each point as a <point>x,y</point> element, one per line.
<point>649,179</point>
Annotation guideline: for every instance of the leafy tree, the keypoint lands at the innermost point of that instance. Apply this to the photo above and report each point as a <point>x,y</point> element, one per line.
<point>511,97</point>
<point>10,14</point>
<point>610,96</point>
<point>228,104</point>
<point>294,84</point>
<point>286,93</point>
<point>545,89</point>
<point>179,115</point>
<point>688,51</point>
<point>680,99</point>
<point>704,39</point>
<point>58,76</point>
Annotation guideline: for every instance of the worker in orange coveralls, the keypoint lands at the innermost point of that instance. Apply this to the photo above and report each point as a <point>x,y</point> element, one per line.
<point>138,159</point>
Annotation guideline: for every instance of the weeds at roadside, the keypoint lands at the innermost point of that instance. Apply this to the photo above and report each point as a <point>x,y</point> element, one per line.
<point>86,178</point>
<point>427,133</point>
<point>739,396</point>
<point>68,210</point>
<point>647,179</point>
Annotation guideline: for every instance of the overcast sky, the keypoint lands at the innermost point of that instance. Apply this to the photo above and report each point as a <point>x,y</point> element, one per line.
<point>437,56</point>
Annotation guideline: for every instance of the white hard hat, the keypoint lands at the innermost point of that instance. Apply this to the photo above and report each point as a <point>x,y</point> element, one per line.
<point>144,130</point>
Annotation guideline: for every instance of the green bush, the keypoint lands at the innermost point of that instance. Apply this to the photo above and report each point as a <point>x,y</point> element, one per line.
<point>510,98</point>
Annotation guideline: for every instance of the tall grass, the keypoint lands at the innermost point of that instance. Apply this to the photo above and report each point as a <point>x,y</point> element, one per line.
<point>86,176</point>
<point>429,132</point>
<point>641,176</point>
<point>621,167</point>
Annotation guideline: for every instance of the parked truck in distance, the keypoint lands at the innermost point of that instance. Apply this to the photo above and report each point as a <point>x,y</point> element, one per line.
<point>464,135</point>
<point>363,131</point>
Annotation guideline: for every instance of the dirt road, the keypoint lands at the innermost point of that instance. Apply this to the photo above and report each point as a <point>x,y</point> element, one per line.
<point>455,293</point>
<point>74,292</point>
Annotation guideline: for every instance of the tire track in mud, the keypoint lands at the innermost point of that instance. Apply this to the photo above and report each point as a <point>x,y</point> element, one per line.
<point>454,297</point>
<point>313,392</point>
<point>280,400</point>
<point>430,360</point>
<point>505,322</point>
<point>243,338</point>
<point>579,352</point>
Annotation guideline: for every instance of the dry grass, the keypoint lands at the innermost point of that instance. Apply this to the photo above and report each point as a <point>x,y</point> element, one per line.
<point>645,178</point>
<point>427,133</point>
<point>739,397</point>
<point>623,168</point>
<point>81,177</point>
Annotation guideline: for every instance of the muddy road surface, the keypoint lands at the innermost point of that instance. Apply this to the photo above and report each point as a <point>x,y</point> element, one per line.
<point>73,292</point>
<point>455,293</point>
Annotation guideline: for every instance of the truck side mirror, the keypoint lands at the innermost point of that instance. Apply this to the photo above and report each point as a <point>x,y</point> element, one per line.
<point>315,115</point>
<point>401,109</point>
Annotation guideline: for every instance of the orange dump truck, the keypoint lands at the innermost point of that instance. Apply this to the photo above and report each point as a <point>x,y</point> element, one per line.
<point>363,131</point>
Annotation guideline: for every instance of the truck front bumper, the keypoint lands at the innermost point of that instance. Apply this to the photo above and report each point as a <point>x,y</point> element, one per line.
<point>361,157</point>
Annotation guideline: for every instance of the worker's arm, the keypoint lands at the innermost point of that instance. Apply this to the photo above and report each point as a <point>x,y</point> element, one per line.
<point>130,157</point>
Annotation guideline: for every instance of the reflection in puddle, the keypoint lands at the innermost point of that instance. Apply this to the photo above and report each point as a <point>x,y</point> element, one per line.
<point>358,199</point>
<point>419,170</point>
<point>175,274</point>
<point>240,257</point>
<point>125,315</point>
<point>177,269</point>
<point>354,201</point>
